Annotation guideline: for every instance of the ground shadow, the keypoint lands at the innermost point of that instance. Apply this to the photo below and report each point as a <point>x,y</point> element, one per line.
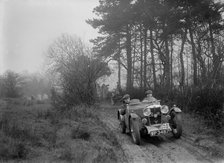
<point>158,140</point>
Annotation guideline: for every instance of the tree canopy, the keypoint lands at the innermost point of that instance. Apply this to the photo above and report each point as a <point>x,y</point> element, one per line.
<point>161,43</point>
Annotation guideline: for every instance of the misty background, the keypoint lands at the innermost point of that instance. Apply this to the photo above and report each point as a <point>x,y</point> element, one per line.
<point>28,27</point>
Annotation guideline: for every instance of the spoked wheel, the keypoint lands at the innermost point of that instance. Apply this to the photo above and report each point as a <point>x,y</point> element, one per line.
<point>135,133</point>
<point>176,125</point>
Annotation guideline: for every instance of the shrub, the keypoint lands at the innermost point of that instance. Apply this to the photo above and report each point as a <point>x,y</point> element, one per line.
<point>65,153</point>
<point>14,128</point>
<point>24,128</point>
<point>76,151</point>
<point>80,132</point>
<point>209,104</point>
<point>105,155</point>
<point>12,148</point>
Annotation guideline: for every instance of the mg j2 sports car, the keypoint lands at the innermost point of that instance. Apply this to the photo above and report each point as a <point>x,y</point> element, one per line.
<point>149,118</point>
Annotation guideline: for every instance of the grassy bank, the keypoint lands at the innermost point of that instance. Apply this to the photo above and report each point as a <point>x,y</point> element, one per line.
<point>207,138</point>
<point>39,133</point>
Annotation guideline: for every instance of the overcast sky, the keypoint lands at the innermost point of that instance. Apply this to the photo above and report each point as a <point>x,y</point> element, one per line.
<point>27,27</point>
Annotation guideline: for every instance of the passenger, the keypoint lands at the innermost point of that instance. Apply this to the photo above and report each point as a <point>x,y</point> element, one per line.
<point>149,97</point>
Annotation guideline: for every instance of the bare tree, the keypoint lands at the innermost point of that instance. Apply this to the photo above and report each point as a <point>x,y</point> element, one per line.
<point>77,69</point>
<point>11,84</point>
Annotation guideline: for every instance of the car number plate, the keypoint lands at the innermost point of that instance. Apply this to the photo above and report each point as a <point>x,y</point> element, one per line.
<point>165,126</point>
<point>158,132</point>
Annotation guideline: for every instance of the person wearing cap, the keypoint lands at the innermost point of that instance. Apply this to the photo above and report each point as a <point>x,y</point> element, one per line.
<point>149,97</point>
<point>126,99</point>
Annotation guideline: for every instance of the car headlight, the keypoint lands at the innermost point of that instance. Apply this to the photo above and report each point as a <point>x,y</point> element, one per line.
<point>144,121</point>
<point>146,111</point>
<point>164,109</point>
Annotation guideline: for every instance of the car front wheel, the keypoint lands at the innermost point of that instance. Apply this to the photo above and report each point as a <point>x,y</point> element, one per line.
<point>135,133</point>
<point>176,125</point>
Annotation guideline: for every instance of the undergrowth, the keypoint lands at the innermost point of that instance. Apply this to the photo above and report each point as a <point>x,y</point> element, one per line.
<point>71,135</point>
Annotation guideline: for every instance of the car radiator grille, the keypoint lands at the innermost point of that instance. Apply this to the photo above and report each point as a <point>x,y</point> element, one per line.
<point>155,120</point>
<point>152,118</point>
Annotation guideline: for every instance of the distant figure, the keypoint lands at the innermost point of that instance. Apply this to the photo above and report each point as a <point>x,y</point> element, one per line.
<point>112,98</point>
<point>45,97</point>
<point>32,97</point>
<point>149,97</point>
<point>104,92</point>
<point>28,101</point>
<point>116,97</point>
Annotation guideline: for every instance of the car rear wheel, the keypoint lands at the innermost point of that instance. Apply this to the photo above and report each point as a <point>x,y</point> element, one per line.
<point>135,133</point>
<point>176,125</point>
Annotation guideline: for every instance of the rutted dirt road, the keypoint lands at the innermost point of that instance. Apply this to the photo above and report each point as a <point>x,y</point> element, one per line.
<point>163,149</point>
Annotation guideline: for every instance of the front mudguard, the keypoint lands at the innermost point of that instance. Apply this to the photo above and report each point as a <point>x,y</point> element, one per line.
<point>136,118</point>
<point>176,109</point>
<point>173,111</point>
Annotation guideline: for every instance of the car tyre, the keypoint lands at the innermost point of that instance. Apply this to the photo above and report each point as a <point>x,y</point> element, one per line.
<point>176,125</point>
<point>135,133</point>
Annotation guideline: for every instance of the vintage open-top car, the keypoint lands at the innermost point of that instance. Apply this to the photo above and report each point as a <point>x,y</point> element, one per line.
<point>149,118</point>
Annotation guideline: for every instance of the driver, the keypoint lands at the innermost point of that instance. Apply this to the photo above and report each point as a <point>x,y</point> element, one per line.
<point>149,97</point>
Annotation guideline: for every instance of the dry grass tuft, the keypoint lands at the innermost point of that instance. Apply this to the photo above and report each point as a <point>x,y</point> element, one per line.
<point>52,135</point>
<point>80,133</point>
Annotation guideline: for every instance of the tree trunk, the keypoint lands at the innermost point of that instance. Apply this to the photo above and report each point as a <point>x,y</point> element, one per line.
<point>171,63</point>
<point>187,73</point>
<point>202,63</point>
<point>134,58</point>
<point>153,59</point>
<point>194,58</point>
<point>145,57</point>
<point>129,59</point>
<point>182,81</point>
<point>167,65</point>
<point>215,58</point>
<point>141,60</point>
<point>119,65</point>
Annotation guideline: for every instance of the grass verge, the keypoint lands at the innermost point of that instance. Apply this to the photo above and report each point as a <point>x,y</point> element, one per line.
<point>202,135</point>
<point>39,133</point>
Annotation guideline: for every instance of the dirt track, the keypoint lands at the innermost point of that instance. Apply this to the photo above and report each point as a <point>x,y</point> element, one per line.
<point>163,149</point>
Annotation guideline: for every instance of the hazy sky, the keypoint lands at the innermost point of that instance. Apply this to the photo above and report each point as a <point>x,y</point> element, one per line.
<point>27,27</point>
